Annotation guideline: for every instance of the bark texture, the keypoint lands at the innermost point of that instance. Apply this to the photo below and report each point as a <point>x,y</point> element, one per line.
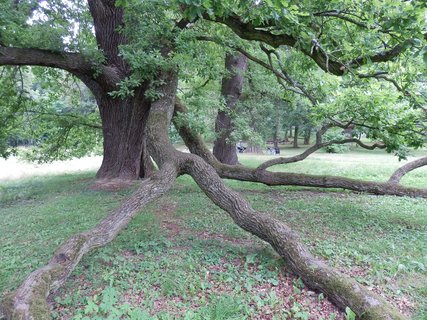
<point>340,288</point>
<point>123,120</point>
<point>196,145</point>
<point>29,301</point>
<point>399,173</point>
<point>123,125</point>
<point>231,90</point>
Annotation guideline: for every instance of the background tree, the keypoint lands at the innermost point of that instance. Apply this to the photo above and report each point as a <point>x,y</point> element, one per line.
<point>140,42</point>
<point>231,89</point>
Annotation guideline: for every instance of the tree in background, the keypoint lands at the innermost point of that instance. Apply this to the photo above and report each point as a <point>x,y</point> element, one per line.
<point>131,67</point>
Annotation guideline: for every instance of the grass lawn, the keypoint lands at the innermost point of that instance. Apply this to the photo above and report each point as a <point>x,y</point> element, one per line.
<point>183,258</point>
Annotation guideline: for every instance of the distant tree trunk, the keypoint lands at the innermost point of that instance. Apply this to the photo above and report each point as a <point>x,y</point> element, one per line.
<point>296,137</point>
<point>307,136</point>
<point>286,139</point>
<point>291,132</point>
<point>275,139</point>
<point>231,90</point>
<point>276,129</point>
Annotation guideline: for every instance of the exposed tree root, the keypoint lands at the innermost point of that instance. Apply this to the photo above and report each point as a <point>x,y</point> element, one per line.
<point>399,173</point>
<point>29,300</point>
<point>196,146</point>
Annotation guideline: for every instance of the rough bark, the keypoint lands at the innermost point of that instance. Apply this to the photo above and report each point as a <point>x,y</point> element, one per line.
<point>28,302</point>
<point>340,288</point>
<point>123,125</point>
<point>196,145</point>
<point>231,90</point>
<point>123,120</point>
<point>399,173</point>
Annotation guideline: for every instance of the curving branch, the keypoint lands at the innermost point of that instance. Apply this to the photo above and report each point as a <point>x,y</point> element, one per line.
<point>281,75</point>
<point>383,75</point>
<point>74,63</point>
<point>316,274</point>
<point>196,145</point>
<point>29,300</point>
<point>314,148</point>
<point>347,16</point>
<point>399,173</point>
<point>249,31</point>
<point>285,75</point>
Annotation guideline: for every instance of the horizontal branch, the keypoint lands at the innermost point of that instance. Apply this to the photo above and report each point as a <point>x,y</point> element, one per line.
<point>74,63</point>
<point>248,31</point>
<point>196,145</point>
<point>314,148</point>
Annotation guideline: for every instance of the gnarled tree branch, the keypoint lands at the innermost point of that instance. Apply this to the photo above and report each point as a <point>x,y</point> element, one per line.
<point>314,148</point>
<point>248,31</point>
<point>29,300</point>
<point>196,145</point>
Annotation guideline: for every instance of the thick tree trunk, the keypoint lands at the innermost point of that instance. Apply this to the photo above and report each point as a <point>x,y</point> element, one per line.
<point>123,125</point>
<point>295,145</point>
<point>231,90</point>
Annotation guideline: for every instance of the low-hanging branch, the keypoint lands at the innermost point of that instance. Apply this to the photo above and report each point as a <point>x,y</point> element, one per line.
<point>314,148</point>
<point>197,146</point>
<point>29,301</point>
<point>403,170</point>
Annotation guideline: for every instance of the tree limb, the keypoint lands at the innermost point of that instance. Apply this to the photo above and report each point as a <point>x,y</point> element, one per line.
<point>196,145</point>
<point>399,173</point>
<point>74,63</point>
<point>314,148</point>
<point>29,300</point>
<point>248,31</point>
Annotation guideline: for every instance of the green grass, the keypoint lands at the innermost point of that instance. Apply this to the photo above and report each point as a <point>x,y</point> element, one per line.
<point>184,258</point>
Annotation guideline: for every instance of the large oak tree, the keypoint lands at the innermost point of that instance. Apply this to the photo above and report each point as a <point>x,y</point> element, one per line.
<point>133,75</point>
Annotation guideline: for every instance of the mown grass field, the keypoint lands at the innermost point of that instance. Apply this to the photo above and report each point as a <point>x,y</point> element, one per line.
<point>183,258</point>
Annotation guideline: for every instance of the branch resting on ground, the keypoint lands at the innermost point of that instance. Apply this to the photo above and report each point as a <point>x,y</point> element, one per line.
<point>196,146</point>
<point>29,301</point>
